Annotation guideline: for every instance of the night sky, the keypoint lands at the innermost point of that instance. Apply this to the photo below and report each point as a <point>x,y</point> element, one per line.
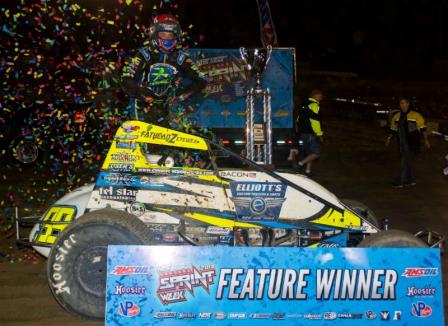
<point>400,39</point>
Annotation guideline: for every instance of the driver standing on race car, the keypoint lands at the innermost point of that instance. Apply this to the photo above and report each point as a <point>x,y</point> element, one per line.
<point>152,76</point>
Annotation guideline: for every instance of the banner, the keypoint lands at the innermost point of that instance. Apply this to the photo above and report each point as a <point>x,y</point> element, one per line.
<point>282,286</point>
<point>267,29</point>
<point>225,103</point>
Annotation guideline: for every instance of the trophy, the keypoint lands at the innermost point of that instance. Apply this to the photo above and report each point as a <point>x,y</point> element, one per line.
<point>258,134</point>
<point>256,60</point>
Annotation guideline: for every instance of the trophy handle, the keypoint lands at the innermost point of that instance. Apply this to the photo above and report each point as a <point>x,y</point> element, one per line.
<point>243,54</point>
<point>269,48</point>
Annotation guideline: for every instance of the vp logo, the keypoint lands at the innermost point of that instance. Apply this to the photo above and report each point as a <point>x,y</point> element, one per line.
<point>421,309</point>
<point>128,309</point>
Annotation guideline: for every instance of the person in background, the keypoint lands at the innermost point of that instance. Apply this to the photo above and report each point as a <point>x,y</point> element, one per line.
<point>408,126</point>
<point>309,130</point>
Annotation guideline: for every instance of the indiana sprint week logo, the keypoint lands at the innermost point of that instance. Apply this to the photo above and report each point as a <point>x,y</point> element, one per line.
<point>174,284</point>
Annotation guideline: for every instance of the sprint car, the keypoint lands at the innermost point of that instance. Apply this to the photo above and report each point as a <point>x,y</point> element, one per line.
<point>159,186</point>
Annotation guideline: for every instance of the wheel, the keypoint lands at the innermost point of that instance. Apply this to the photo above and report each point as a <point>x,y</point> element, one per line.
<point>392,239</point>
<point>363,210</point>
<point>77,264</point>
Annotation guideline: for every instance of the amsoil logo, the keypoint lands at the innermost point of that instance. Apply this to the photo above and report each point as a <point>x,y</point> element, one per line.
<point>174,284</point>
<point>421,309</point>
<point>130,270</point>
<point>128,309</point>
<point>420,272</point>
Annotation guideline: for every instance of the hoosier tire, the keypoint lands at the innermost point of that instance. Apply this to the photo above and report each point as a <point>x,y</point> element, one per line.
<point>77,264</point>
<point>392,239</point>
<point>363,210</point>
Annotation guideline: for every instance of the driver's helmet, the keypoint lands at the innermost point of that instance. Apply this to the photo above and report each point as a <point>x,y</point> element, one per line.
<point>165,32</point>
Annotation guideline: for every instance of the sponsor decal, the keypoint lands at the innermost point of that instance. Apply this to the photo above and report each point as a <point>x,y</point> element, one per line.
<point>121,167</point>
<point>170,237</point>
<point>325,244</point>
<point>123,157</point>
<point>260,316</point>
<point>237,315</point>
<point>237,174</point>
<point>397,315</point>
<point>225,238</point>
<point>426,291</point>
<point>349,316</point>
<point>175,171</point>
<point>137,209</point>
<point>128,309</point>
<point>163,315</point>
<point>121,290</point>
<point>205,315</point>
<point>219,315</point>
<point>370,315</point>
<point>217,230</point>
<point>294,316</point>
<point>421,309</point>
<point>160,78</point>
<point>330,315</point>
<point>278,316</point>
<point>130,128</point>
<point>420,272</point>
<point>144,179</point>
<point>126,137</point>
<point>173,285</point>
<point>119,178</point>
<point>170,138</point>
<point>258,200</point>
<point>112,193</point>
<point>186,315</point>
<point>130,270</point>
<point>385,315</point>
<point>312,316</point>
<point>125,145</point>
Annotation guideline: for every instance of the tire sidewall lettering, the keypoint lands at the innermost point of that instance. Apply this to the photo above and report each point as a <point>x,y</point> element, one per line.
<point>57,269</point>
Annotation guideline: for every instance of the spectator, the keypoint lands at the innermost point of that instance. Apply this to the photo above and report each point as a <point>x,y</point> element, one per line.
<point>308,127</point>
<point>408,126</point>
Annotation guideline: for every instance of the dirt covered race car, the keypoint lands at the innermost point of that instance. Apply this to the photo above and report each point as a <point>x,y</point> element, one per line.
<point>163,187</point>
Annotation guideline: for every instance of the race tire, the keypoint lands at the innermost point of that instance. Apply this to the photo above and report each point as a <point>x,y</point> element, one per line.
<point>77,264</point>
<point>392,239</point>
<point>362,210</point>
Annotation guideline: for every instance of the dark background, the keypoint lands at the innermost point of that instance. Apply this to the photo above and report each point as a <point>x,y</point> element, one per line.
<point>400,39</point>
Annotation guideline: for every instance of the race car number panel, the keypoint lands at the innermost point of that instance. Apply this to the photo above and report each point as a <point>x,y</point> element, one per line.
<point>55,220</point>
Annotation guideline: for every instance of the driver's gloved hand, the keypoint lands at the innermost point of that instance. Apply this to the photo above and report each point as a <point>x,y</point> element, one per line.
<point>162,160</point>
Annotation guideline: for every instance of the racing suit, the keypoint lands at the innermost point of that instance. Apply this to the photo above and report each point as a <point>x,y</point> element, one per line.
<point>153,75</point>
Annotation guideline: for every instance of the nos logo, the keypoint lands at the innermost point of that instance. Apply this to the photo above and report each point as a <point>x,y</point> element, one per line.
<point>421,309</point>
<point>128,309</point>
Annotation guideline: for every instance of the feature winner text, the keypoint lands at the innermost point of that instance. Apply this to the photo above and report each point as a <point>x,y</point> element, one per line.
<point>291,284</point>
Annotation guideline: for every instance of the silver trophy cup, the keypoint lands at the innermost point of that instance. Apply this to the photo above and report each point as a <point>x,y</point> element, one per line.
<point>257,148</point>
<point>256,61</point>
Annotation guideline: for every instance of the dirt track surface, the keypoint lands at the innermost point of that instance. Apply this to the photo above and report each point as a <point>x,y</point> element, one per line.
<point>354,164</point>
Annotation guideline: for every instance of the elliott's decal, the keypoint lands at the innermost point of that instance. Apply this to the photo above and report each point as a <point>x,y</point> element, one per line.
<point>258,200</point>
<point>174,284</point>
